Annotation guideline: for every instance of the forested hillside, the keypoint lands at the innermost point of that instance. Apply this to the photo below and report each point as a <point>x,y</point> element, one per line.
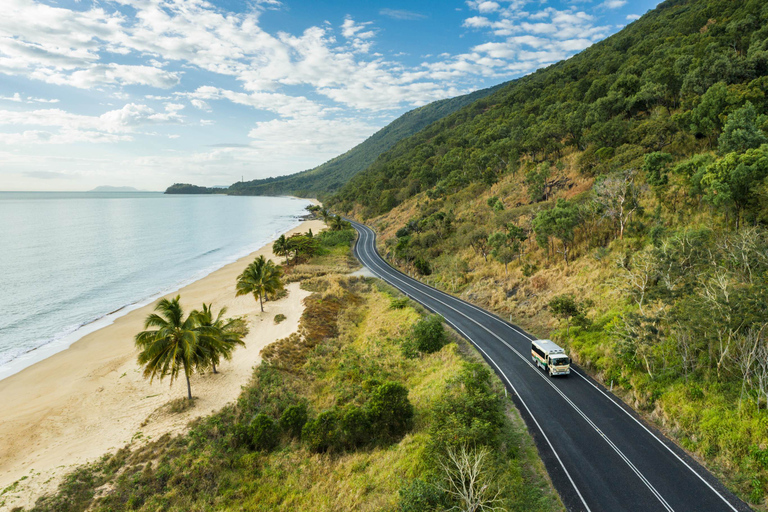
<point>330,176</point>
<point>617,202</point>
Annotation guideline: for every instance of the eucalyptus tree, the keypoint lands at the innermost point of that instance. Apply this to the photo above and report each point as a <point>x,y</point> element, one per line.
<point>217,337</point>
<point>172,346</point>
<point>260,277</point>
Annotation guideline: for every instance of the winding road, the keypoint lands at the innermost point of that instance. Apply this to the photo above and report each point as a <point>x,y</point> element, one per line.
<point>600,455</point>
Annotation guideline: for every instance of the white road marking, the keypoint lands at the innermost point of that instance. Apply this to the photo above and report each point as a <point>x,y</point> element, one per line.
<point>568,400</point>
<point>522,333</point>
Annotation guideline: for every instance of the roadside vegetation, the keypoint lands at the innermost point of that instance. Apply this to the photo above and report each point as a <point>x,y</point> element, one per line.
<point>618,203</point>
<point>372,405</point>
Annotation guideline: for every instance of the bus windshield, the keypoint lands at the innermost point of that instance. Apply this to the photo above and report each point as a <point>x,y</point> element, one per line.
<point>559,361</point>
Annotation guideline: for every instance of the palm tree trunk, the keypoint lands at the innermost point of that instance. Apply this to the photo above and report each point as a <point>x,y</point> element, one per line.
<point>261,301</point>
<point>214,368</point>
<point>189,389</point>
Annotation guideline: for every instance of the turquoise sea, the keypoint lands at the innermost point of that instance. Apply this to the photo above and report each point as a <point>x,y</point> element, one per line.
<point>71,262</point>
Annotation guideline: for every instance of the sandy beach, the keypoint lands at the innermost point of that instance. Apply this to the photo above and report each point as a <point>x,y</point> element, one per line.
<point>91,398</point>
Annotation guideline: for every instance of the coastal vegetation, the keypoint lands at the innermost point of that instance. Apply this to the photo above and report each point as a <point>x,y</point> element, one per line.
<point>217,337</point>
<point>184,344</point>
<point>338,416</point>
<point>616,202</point>
<point>259,278</point>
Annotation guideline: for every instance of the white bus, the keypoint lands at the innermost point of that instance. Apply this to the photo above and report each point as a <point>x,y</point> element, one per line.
<point>550,357</point>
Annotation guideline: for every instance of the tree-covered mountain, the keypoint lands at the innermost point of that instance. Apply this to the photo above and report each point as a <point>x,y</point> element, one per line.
<point>330,176</point>
<point>616,202</point>
<point>186,188</point>
<point>645,89</point>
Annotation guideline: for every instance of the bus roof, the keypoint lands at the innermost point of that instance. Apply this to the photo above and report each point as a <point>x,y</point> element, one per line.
<point>549,346</point>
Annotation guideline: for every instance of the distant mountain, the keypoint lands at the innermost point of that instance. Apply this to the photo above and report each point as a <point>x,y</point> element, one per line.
<point>332,175</point>
<point>107,188</point>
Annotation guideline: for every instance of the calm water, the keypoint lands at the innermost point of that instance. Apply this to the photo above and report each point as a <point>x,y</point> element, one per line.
<point>71,262</point>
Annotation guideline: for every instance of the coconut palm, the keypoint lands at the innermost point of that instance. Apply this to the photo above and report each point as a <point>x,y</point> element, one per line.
<point>325,214</point>
<point>260,277</point>
<point>337,223</point>
<point>217,337</point>
<point>280,247</point>
<point>171,347</point>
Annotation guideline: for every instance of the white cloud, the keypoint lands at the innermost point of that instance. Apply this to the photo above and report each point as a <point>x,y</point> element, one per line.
<point>283,104</point>
<point>351,29</point>
<point>484,6</point>
<point>322,138</point>
<point>325,85</point>
<point>633,17</point>
<point>200,104</point>
<point>401,14</point>
<point>613,4</point>
<point>112,126</point>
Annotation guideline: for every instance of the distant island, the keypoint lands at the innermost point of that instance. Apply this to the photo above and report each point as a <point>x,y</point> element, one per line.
<point>107,188</point>
<point>186,188</point>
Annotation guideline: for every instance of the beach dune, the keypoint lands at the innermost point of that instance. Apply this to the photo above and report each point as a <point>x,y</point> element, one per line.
<point>90,399</point>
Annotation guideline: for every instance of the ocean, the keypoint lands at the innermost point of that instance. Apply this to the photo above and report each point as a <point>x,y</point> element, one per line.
<point>72,262</point>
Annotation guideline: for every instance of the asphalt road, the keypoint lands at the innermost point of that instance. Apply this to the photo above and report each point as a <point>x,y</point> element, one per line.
<point>600,455</point>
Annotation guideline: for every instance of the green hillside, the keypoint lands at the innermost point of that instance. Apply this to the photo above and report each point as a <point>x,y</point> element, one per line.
<point>616,202</point>
<point>330,176</point>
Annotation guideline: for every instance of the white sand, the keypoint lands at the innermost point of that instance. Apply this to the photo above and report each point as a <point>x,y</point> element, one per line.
<point>90,399</point>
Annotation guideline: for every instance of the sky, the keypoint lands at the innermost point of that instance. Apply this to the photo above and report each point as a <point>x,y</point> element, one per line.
<point>147,93</point>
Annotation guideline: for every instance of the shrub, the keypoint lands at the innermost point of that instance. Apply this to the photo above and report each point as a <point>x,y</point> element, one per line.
<point>429,334</point>
<point>469,412</point>
<point>336,238</point>
<point>355,428</point>
<point>263,432</point>
<point>279,318</point>
<point>390,411</point>
<point>320,434</point>
<point>293,419</point>
<point>398,302</point>
<point>420,496</point>
<point>422,266</point>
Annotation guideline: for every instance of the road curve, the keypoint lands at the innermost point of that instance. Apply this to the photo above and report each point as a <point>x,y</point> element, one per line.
<point>600,455</point>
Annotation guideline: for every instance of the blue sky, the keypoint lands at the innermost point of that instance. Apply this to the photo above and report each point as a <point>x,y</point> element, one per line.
<point>146,93</point>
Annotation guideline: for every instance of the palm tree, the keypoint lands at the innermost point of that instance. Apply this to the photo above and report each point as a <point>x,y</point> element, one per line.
<point>172,346</point>
<point>217,338</point>
<point>337,223</point>
<point>260,277</point>
<point>280,247</point>
<point>325,214</point>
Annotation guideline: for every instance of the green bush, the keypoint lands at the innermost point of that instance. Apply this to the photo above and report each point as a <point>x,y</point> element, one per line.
<point>390,411</point>
<point>422,266</point>
<point>429,334</point>
<point>264,432</point>
<point>355,428</point>
<point>469,412</point>
<point>336,238</point>
<point>398,302</point>
<point>293,419</point>
<point>321,433</point>
<point>420,496</point>
<point>279,318</point>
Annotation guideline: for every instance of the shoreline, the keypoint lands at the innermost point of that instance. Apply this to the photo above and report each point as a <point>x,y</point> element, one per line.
<point>90,398</point>
<point>68,336</point>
